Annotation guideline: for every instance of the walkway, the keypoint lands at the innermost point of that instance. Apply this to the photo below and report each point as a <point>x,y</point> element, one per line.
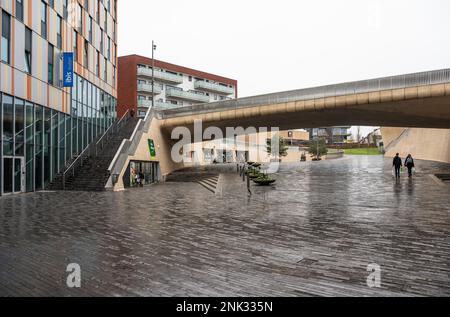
<point>314,234</point>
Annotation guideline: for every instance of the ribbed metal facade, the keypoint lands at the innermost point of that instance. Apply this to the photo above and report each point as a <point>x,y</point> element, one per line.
<point>357,87</point>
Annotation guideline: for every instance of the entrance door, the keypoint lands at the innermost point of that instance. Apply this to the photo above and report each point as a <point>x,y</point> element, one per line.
<point>13,175</point>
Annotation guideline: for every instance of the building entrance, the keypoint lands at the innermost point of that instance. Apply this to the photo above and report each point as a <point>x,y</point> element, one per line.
<point>141,173</point>
<point>13,175</point>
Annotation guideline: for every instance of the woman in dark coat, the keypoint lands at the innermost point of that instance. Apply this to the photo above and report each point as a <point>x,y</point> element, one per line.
<point>409,163</point>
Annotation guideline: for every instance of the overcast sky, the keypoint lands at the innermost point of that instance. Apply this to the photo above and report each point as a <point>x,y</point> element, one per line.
<point>271,46</point>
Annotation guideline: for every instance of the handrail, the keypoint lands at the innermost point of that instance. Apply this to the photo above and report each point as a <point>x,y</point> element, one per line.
<point>396,140</point>
<point>93,146</point>
<point>79,159</point>
<point>112,129</point>
<point>129,145</point>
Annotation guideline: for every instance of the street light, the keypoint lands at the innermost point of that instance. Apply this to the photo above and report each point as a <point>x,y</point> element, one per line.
<point>153,73</point>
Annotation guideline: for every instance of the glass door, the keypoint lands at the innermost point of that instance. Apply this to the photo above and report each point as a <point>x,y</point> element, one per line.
<point>7,175</point>
<point>19,175</point>
<point>13,175</point>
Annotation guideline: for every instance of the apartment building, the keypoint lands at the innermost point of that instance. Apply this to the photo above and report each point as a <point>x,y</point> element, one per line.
<point>47,116</point>
<point>174,85</point>
<point>331,135</point>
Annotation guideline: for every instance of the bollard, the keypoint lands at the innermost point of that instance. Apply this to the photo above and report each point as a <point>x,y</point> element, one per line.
<point>248,185</point>
<point>243,174</point>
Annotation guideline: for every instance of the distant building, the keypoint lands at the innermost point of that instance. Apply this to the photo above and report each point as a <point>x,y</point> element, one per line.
<point>174,86</point>
<point>331,135</point>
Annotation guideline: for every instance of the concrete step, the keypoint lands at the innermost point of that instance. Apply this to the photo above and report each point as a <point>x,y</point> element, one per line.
<point>209,183</point>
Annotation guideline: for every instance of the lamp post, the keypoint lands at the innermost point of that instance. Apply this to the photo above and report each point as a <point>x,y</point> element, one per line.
<point>153,73</point>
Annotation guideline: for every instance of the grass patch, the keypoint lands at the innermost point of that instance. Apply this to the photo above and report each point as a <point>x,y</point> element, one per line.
<point>369,151</point>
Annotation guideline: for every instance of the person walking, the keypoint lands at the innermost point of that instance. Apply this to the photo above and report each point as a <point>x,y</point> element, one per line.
<point>409,163</point>
<point>397,165</point>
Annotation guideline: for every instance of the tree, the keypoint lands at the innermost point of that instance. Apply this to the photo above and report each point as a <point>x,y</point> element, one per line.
<point>282,146</point>
<point>318,148</point>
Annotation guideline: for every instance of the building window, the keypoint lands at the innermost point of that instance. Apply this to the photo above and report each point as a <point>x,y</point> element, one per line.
<point>50,63</point>
<point>19,10</point>
<point>44,20</point>
<point>80,19</point>
<point>28,48</point>
<point>98,11</point>
<point>75,46</point>
<point>59,32</point>
<point>86,54</point>
<point>109,49</point>
<point>114,77</point>
<point>106,21</point>
<point>101,42</point>
<point>97,66</point>
<point>90,29</point>
<point>6,37</point>
<point>65,9</point>
<point>106,70</point>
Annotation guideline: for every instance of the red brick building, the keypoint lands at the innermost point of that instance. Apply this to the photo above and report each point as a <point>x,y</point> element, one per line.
<point>175,86</point>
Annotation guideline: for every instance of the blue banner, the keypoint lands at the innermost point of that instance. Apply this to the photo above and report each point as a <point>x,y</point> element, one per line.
<point>67,69</point>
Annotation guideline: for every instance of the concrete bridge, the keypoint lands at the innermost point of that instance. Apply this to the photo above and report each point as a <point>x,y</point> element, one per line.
<point>420,100</point>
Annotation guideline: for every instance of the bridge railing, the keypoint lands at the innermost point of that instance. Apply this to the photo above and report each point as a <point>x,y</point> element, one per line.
<point>357,87</point>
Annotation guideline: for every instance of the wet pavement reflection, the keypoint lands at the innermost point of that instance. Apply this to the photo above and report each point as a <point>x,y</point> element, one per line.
<point>312,234</point>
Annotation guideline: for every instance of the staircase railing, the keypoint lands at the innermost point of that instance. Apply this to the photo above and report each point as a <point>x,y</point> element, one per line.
<point>396,140</point>
<point>112,130</point>
<point>93,149</point>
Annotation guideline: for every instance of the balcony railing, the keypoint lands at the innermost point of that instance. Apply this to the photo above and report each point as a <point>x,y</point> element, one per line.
<point>187,95</point>
<point>160,105</point>
<point>160,75</point>
<point>203,85</point>
<point>147,88</point>
<point>144,103</point>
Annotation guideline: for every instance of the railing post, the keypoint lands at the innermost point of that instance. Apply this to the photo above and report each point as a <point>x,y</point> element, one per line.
<point>64,181</point>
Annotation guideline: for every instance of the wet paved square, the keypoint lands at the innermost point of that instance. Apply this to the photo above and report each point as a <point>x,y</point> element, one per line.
<point>313,234</point>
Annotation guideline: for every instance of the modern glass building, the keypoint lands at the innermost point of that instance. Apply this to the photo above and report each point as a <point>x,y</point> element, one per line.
<point>44,126</point>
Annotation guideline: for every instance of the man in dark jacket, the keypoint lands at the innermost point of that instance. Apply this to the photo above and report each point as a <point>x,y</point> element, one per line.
<point>409,163</point>
<point>397,165</point>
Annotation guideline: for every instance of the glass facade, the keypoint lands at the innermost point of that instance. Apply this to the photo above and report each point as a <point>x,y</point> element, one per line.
<point>37,142</point>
